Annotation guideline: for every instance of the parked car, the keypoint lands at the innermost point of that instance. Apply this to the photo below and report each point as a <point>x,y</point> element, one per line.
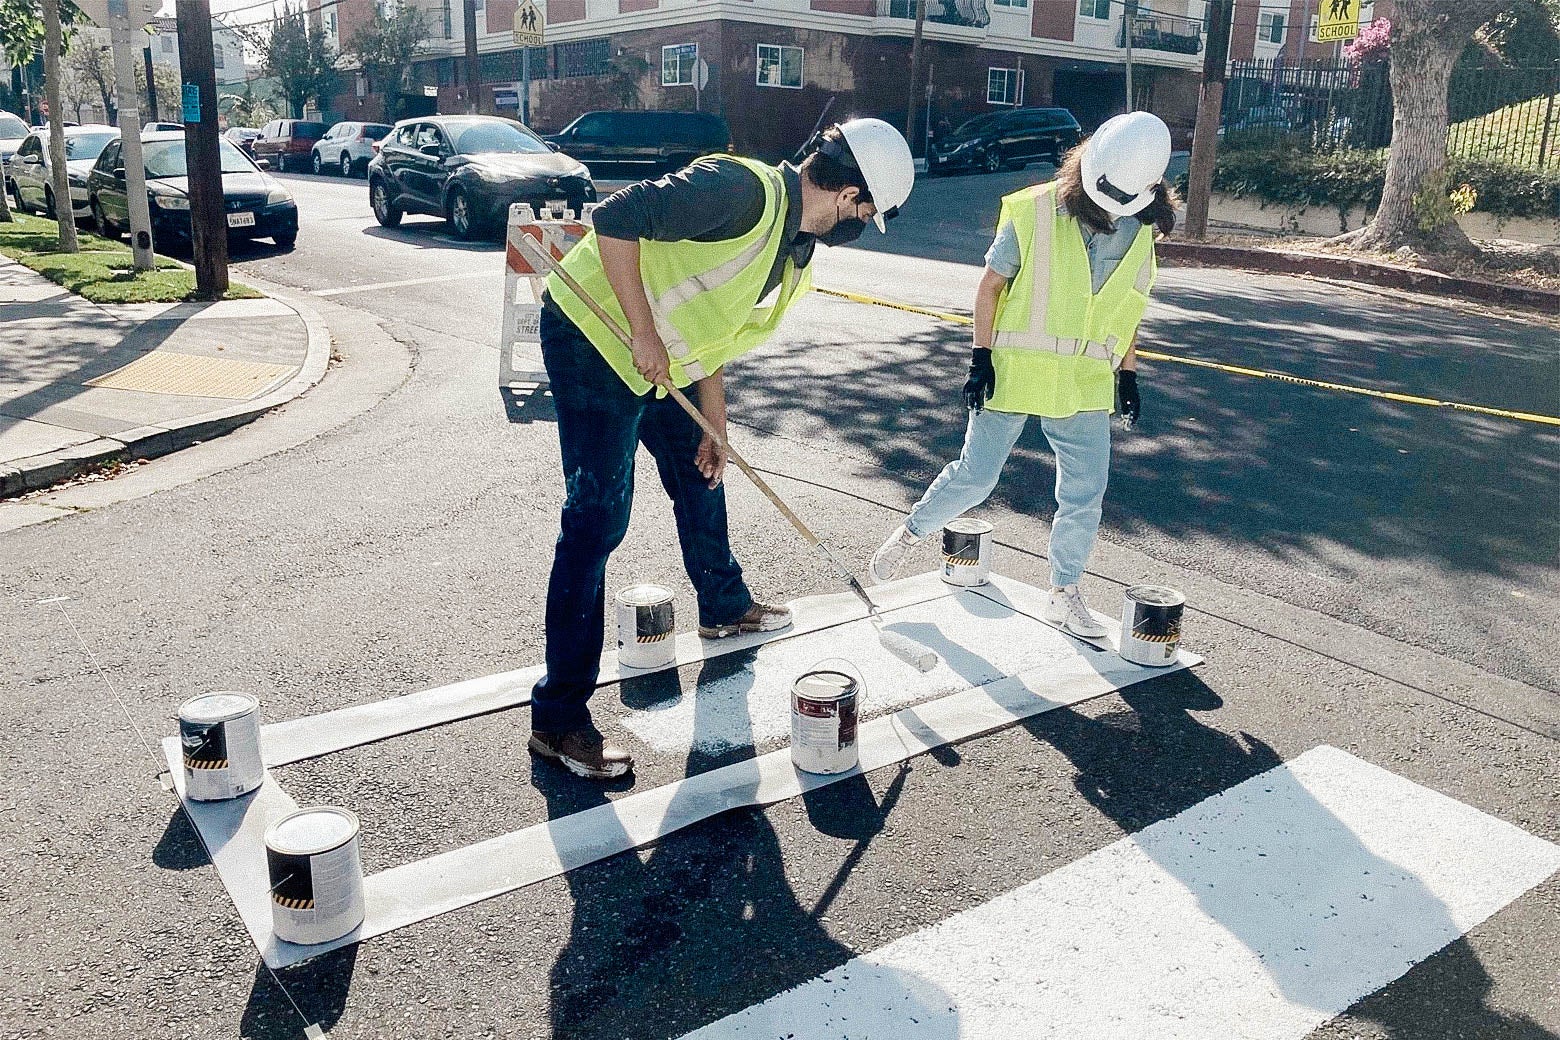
<point>469,169</point>
<point>286,142</point>
<point>243,137</point>
<point>1006,140</point>
<point>347,148</point>
<point>13,131</point>
<point>151,128</point>
<point>658,140</point>
<point>257,204</point>
<point>32,183</point>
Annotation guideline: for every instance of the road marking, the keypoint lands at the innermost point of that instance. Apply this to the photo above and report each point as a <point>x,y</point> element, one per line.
<point>372,287</point>
<point>1259,913</point>
<point>1239,370</point>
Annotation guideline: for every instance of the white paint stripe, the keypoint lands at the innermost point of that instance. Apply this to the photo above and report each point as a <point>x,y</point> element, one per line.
<point>1259,913</point>
<point>294,740</point>
<point>375,286</point>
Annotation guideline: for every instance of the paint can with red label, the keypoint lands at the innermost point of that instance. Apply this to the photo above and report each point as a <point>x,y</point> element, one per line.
<point>1151,625</point>
<point>647,627</point>
<point>316,871</point>
<point>967,552</point>
<point>220,737</point>
<point>824,705</point>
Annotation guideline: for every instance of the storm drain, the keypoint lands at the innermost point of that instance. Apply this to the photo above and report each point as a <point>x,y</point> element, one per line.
<point>194,375</point>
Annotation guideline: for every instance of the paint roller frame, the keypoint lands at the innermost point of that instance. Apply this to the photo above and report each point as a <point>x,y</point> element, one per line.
<point>901,646</point>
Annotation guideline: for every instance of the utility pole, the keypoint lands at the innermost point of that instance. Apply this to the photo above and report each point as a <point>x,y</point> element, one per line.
<point>151,84</point>
<point>64,207</point>
<point>473,67</point>
<point>1128,16</point>
<point>915,72</point>
<point>1210,104</point>
<point>203,155</point>
<point>130,159</point>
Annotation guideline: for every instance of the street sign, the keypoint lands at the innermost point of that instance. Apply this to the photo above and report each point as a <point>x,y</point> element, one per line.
<point>1337,20</point>
<point>430,92</point>
<point>701,75</point>
<point>530,26</point>
<point>189,94</point>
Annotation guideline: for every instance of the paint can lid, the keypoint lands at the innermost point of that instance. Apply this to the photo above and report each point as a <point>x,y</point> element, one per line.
<point>825,685</point>
<point>644,596</point>
<point>210,708</point>
<point>969,525</point>
<point>307,832</point>
<point>1156,595</point>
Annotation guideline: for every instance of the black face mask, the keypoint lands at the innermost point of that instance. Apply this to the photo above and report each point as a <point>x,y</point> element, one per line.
<point>845,230</point>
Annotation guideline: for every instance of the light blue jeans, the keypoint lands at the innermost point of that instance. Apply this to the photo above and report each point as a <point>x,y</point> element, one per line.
<point>1082,447</point>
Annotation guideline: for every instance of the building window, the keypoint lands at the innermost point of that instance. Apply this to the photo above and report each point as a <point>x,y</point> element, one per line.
<point>218,59</point>
<point>449,21</point>
<point>1002,86</point>
<point>1094,9</point>
<point>1012,3</point>
<point>331,21</point>
<point>779,66</point>
<point>1270,27</point>
<point>580,58</point>
<point>677,64</point>
<point>167,45</point>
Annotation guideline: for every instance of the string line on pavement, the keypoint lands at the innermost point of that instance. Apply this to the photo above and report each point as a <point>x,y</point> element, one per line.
<point>1238,370</point>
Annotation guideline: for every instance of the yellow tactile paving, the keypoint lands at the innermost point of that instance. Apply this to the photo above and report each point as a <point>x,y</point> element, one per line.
<point>194,375</point>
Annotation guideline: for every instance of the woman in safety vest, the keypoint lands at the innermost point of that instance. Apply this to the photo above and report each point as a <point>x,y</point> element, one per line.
<point>1056,317</point>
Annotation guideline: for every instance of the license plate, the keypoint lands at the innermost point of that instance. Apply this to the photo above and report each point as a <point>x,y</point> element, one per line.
<point>241,220</point>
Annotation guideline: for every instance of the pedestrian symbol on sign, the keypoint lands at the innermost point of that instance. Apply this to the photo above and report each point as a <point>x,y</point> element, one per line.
<point>1337,20</point>
<point>529,25</point>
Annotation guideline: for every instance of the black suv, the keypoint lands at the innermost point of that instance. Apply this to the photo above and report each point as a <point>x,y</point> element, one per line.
<point>1006,140</point>
<point>469,169</point>
<point>661,141</point>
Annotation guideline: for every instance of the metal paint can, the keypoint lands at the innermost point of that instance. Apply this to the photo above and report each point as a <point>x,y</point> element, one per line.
<point>1151,625</point>
<point>220,736</point>
<point>646,626</point>
<point>823,721</point>
<point>316,872</point>
<point>967,552</point>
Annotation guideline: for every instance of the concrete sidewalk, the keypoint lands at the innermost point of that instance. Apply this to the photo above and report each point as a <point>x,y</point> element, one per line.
<point>82,384</point>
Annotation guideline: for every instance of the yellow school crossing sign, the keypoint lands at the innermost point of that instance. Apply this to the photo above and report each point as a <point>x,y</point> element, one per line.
<point>1337,20</point>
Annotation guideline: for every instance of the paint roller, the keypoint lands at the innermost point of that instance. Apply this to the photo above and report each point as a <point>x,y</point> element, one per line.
<point>898,644</point>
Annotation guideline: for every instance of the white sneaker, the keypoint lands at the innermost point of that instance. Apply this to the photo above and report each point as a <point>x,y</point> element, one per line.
<point>891,555</point>
<point>1067,608</point>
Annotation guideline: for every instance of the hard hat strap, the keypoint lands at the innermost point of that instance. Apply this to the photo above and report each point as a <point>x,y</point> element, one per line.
<point>1106,188</point>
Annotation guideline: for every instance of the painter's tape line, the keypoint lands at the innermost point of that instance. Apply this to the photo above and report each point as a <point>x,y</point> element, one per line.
<point>448,881</point>
<point>1238,370</point>
<point>295,740</point>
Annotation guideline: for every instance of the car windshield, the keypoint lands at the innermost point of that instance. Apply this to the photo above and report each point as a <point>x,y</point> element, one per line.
<point>494,137</point>
<point>167,159</point>
<point>88,146</point>
<point>11,127</point>
<point>974,126</point>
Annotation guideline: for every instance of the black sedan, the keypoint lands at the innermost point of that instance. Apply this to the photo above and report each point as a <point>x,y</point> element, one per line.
<point>256,204</point>
<point>469,169</point>
<point>1006,140</point>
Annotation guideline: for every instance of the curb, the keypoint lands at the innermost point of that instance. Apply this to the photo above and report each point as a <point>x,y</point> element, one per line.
<point>150,442</point>
<point>1337,267</point>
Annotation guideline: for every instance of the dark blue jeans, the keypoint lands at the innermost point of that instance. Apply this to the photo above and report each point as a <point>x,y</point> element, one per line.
<point>601,423</point>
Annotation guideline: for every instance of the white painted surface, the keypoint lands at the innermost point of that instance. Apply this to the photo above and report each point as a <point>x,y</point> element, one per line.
<point>1257,914</point>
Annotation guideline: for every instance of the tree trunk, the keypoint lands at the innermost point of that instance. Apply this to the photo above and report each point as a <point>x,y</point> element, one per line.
<point>59,176</point>
<point>5,207</point>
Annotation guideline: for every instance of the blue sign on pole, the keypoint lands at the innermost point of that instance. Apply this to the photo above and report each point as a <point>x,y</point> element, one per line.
<point>191,97</point>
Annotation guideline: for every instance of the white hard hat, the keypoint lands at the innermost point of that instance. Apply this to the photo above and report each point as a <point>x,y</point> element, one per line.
<point>881,154</point>
<point>1125,160</point>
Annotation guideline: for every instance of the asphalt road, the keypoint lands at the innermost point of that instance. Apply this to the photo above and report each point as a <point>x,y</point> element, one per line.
<point>1368,575</point>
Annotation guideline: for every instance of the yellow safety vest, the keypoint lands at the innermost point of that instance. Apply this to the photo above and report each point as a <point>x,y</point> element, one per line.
<point>704,295</point>
<point>1057,341</point>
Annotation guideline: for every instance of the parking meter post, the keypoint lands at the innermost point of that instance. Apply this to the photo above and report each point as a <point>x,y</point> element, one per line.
<point>151,85</point>
<point>122,37</point>
<point>203,155</point>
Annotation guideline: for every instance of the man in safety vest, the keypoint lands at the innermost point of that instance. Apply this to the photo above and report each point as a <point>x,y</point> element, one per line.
<point>1056,317</point>
<point>684,263</point>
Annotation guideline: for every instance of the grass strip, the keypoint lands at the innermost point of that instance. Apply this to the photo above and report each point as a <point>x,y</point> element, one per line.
<point>104,270</point>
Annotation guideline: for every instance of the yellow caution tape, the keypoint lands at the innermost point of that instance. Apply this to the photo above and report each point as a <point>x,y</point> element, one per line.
<point>1255,373</point>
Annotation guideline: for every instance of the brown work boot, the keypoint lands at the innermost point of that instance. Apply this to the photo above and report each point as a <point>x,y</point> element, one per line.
<point>583,752</point>
<point>760,617</point>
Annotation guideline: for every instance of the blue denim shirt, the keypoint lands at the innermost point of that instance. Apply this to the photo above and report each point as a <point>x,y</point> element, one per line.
<point>1105,250</point>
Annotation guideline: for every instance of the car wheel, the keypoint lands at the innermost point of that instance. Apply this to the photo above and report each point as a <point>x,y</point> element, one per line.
<point>993,160</point>
<point>346,165</point>
<point>461,215</point>
<point>48,203</point>
<point>104,228</point>
<point>385,211</point>
<point>286,241</point>
<point>279,162</point>
<point>16,198</point>
<point>319,166</point>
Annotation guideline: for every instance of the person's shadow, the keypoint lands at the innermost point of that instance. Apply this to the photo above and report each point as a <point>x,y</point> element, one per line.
<point>707,923</point>
<point>1154,759</point>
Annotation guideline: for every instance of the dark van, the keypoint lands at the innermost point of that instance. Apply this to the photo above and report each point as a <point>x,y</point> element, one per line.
<point>656,141</point>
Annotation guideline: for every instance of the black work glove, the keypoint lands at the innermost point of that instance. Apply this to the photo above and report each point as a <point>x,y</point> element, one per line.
<point>982,382</point>
<point>1131,402</point>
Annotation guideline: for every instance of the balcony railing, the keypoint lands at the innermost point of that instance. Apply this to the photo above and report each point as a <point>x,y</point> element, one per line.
<point>1165,33</point>
<point>941,12</point>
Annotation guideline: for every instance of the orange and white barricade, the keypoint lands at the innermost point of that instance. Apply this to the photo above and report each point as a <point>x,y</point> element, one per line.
<point>557,233</point>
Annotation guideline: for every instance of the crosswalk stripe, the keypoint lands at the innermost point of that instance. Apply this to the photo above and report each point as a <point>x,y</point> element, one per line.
<point>1257,914</point>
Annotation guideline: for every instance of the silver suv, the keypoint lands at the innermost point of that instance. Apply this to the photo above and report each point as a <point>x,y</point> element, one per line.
<point>346,148</point>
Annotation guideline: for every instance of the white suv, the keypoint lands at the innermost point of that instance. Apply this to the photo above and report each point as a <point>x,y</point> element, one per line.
<point>347,147</point>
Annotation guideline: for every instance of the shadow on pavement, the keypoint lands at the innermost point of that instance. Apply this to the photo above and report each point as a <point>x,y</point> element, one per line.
<point>318,988</point>
<point>179,848</point>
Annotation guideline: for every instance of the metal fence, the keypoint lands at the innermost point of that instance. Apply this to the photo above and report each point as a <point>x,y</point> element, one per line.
<point>1510,115</point>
